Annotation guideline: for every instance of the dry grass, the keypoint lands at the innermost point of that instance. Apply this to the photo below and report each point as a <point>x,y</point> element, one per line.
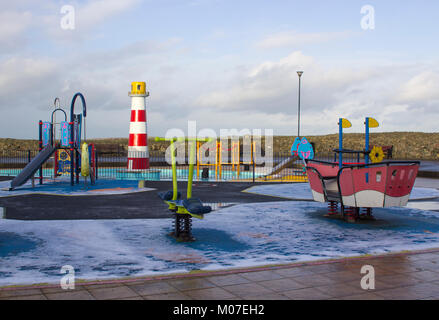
<point>406,145</point>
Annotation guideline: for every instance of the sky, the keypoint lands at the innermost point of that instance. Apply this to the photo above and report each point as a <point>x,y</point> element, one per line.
<point>222,63</point>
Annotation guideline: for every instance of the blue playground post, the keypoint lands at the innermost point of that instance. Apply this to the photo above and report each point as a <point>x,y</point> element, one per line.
<point>40,146</point>
<point>366,155</point>
<point>74,161</point>
<point>340,142</point>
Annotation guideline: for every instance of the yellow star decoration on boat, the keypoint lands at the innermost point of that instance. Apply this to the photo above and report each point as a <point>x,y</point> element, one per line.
<point>376,154</point>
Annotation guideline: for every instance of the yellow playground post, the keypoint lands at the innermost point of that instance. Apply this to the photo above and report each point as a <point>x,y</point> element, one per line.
<point>235,158</point>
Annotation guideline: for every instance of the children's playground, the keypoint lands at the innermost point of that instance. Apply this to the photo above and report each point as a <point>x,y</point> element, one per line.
<point>219,213</point>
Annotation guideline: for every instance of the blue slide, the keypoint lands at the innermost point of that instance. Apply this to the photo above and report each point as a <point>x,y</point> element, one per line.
<point>32,167</point>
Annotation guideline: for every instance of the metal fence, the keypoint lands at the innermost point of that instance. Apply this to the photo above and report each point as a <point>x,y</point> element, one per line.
<point>114,165</point>
<point>13,161</point>
<point>255,167</point>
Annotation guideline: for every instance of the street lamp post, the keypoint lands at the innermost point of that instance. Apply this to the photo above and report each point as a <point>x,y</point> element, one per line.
<point>299,73</point>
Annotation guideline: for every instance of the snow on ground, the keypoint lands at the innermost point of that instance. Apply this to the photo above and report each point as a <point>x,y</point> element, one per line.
<point>296,191</point>
<point>239,236</point>
<point>424,205</point>
<point>302,191</point>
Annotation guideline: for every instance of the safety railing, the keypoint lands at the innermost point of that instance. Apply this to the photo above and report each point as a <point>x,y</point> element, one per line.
<point>113,165</point>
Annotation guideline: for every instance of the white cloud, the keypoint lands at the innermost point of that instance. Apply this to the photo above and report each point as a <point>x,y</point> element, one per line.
<point>272,85</point>
<point>88,16</point>
<point>263,96</point>
<point>13,25</point>
<point>296,39</point>
<point>424,86</point>
<point>270,89</point>
<point>21,76</point>
<point>95,12</point>
<point>217,91</point>
<point>28,86</point>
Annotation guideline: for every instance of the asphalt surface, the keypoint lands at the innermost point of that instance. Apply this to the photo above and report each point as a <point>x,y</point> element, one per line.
<point>138,205</point>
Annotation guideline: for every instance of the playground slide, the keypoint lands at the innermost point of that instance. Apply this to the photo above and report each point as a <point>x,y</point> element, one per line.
<point>282,165</point>
<point>32,167</point>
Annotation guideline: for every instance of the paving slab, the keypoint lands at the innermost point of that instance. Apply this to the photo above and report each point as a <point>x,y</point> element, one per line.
<point>261,275</point>
<point>150,288</point>
<point>247,289</point>
<point>307,294</point>
<point>189,284</point>
<point>113,293</point>
<point>210,294</point>
<point>281,285</point>
<point>70,295</point>
<point>227,280</point>
<point>168,296</point>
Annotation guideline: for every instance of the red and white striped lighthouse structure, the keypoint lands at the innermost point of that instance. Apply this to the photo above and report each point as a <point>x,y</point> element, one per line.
<point>138,155</point>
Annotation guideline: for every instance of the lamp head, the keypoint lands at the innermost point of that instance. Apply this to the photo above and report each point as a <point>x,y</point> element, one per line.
<point>299,73</point>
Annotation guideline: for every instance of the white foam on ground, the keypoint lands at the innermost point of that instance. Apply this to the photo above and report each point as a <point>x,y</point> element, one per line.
<point>240,236</point>
<point>299,191</point>
<point>424,205</point>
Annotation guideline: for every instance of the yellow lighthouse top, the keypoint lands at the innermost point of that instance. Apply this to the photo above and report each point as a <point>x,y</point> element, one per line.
<point>138,88</point>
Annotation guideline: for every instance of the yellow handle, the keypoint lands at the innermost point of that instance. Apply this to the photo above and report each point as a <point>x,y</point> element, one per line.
<point>85,166</point>
<point>184,139</point>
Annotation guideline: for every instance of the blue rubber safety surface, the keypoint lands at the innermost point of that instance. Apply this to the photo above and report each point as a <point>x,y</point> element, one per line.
<point>160,174</point>
<point>61,186</point>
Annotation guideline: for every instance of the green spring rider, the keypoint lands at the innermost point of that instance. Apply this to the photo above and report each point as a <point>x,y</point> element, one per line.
<point>183,209</point>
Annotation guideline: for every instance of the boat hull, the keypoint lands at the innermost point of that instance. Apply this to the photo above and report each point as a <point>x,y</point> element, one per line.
<point>379,185</point>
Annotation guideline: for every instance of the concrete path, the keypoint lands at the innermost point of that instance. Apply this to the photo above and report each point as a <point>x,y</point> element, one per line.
<point>412,275</point>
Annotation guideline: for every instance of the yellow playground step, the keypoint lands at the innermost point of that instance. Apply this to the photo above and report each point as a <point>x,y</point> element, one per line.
<point>286,178</point>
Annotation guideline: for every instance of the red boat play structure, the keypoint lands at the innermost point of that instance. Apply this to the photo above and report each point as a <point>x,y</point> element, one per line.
<point>360,186</point>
